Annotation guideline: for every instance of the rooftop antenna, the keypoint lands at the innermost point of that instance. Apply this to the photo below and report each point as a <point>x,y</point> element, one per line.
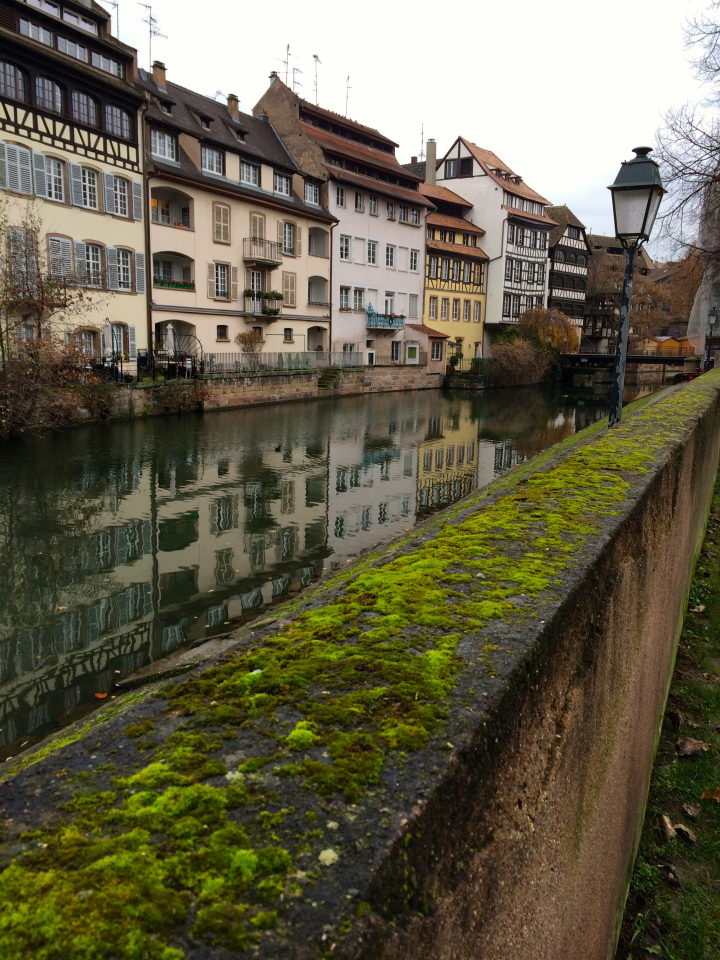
<point>348,88</point>
<point>317,60</point>
<point>153,30</point>
<point>116,6</point>
<point>286,61</point>
<point>422,142</point>
<point>295,82</point>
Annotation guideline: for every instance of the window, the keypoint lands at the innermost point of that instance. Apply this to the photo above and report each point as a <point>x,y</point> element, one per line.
<point>516,305</point>
<point>72,49</point>
<point>107,64</point>
<point>520,236</point>
<point>163,145</point>
<point>344,298</point>
<point>390,256</point>
<point>451,236</point>
<point>93,265</point>
<point>511,233</point>
<point>413,306</point>
<point>517,275</point>
<point>433,268</point>
<point>456,309</point>
<point>373,206</point>
<point>466,311</point>
<point>163,269</point>
<point>402,213</point>
<point>445,269</point>
<point>212,160</point>
<point>117,337</point>
<point>444,308</point>
<point>344,248</point>
<point>414,260</point>
<point>467,268</point>
<point>359,202</point>
<point>281,184</point>
<point>573,232</point>
<point>124,274</point>
<point>340,196</point>
<point>289,237</point>
<point>508,269</point>
<point>456,270</point>
<point>60,256</point>
<point>89,189</point>
<point>390,211</point>
<point>533,238</point>
<point>543,241</point>
<point>506,305</point>
<point>372,252</point>
<point>358,299</point>
<point>12,82</point>
<point>48,94</point>
<point>121,197</point>
<point>443,236</point>
<point>436,350</point>
<point>160,211</point>
<point>84,109</point>
<point>476,312</point>
<point>249,172</point>
<point>221,223</point>
<point>221,331</point>
<point>531,273</point>
<point>433,308</point>
<point>117,122</point>
<point>288,335</point>
<point>394,351</point>
<point>389,302</point>
<point>451,169</point>
<point>36,32</point>
<point>54,180</point>
<point>541,273</point>
<point>415,216</point>
<point>312,193</point>
<point>221,281</point>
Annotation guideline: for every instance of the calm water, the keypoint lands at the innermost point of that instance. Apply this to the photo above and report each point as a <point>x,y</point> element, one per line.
<point>122,544</point>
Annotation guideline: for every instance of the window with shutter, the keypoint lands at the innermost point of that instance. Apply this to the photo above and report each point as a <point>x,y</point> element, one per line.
<point>288,290</point>
<point>221,216</point>
<point>234,284</point>
<point>76,184</point>
<point>3,167</point>
<point>38,162</point>
<point>211,280</point>
<point>138,201</point>
<point>140,273</point>
<point>298,241</point>
<point>109,192</point>
<point>80,261</point>
<point>18,169</point>
<point>111,261</point>
<point>132,341</point>
<point>257,226</point>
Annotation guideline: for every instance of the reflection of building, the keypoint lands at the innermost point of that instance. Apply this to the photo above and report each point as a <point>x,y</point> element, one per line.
<point>447,460</point>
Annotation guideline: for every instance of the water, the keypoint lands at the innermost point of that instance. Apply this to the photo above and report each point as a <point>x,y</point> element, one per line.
<point>122,544</point>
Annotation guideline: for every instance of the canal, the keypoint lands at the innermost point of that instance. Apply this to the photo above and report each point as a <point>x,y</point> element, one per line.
<point>122,544</point>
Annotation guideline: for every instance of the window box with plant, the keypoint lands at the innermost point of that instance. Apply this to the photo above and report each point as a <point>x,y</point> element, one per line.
<point>177,284</point>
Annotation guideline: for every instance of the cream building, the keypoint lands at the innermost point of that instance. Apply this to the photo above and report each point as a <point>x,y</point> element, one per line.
<point>71,152</point>
<point>232,222</point>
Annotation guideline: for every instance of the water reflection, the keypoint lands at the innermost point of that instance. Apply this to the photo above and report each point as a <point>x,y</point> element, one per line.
<point>122,544</point>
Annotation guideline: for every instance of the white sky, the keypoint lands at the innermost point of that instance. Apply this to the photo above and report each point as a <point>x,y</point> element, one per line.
<point>560,91</point>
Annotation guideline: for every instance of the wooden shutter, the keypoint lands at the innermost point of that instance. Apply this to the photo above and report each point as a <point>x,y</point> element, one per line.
<point>234,283</point>
<point>137,197</point>
<point>281,234</point>
<point>211,280</point>
<point>80,261</point>
<point>109,192</point>
<point>221,220</point>
<point>3,167</point>
<point>111,263</point>
<point>38,161</point>
<point>18,169</point>
<point>257,226</point>
<point>288,290</point>
<point>76,187</point>
<point>67,258</point>
<point>55,256</point>
<point>298,241</point>
<point>139,273</point>
<point>132,341</point>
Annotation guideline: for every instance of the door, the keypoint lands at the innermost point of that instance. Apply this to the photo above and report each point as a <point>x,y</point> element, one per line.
<point>412,353</point>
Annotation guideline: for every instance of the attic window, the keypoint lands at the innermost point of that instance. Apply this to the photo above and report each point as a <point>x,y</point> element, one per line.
<point>240,135</point>
<point>166,107</point>
<point>204,122</point>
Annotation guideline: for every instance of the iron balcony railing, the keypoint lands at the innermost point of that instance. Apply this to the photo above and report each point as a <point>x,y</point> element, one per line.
<point>263,306</point>
<point>229,363</point>
<point>385,321</point>
<point>262,251</point>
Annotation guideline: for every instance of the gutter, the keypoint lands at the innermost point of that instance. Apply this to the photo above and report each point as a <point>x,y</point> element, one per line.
<point>148,252</point>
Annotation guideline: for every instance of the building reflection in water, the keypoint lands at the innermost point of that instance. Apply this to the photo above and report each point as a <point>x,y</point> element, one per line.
<point>122,544</point>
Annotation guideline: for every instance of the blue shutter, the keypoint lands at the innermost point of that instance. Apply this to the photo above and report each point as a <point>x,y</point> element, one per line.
<point>111,262</point>
<point>137,201</point>
<point>132,343</point>
<point>76,186</point>
<point>80,261</point>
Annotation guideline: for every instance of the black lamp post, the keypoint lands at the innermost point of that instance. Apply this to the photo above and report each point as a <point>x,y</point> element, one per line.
<point>636,196</point>
<point>709,339</point>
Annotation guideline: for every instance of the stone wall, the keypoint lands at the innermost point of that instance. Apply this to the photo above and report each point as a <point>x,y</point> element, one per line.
<point>450,740</point>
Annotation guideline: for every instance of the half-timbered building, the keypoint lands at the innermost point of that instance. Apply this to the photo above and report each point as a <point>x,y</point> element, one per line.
<point>569,252</point>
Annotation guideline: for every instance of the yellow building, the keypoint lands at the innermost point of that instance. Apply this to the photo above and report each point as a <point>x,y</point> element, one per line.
<point>448,460</point>
<point>454,272</point>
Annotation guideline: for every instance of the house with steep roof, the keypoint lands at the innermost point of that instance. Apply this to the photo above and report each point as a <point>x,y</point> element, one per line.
<point>569,252</point>
<point>379,243</point>
<point>240,241</point>
<point>516,226</point>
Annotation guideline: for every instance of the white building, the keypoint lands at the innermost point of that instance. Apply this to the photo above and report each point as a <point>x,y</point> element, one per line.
<point>517,227</point>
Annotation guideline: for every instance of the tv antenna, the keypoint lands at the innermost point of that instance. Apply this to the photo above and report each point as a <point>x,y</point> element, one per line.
<point>317,60</point>
<point>115,4</point>
<point>422,142</point>
<point>286,61</point>
<point>348,88</point>
<point>153,29</point>
<point>295,81</point>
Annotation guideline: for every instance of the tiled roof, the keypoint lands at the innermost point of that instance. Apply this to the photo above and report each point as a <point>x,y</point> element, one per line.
<point>341,120</point>
<point>357,151</point>
<point>428,331</point>
<point>419,168</point>
<point>563,216</point>
<point>455,223</point>
<point>470,253</point>
<point>526,215</point>
<point>380,186</point>
<point>490,162</point>
<point>596,240</point>
<point>437,192</point>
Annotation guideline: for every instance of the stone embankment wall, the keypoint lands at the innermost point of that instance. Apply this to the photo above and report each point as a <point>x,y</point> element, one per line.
<point>441,753</point>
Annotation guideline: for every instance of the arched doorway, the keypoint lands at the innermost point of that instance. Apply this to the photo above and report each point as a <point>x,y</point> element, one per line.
<point>317,338</point>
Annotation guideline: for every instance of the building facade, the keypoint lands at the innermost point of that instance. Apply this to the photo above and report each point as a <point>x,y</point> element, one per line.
<point>71,164</point>
<point>516,228</point>
<point>238,242</point>
<point>602,303</point>
<point>379,242</point>
<point>569,253</point>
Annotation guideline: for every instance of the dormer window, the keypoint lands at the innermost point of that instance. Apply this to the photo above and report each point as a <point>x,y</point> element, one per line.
<point>212,161</point>
<point>204,122</point>
<point>281,184</point>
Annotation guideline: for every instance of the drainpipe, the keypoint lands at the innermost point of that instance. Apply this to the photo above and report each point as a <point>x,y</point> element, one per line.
<point>330,323</point>
<point>148,251</point>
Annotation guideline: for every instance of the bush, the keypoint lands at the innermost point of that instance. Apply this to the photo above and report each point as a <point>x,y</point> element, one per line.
<point>519,363</point>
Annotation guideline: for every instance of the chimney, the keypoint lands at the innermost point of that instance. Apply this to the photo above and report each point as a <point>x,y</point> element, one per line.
<point>430,161</point>
<point>234,106</point>
<point>264,117</point>
<point>158,70</point>
<point>413,159</point>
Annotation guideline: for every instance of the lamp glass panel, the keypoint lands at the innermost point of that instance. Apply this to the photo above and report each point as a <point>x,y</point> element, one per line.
<point>630,208</point>
<point>652,211</point>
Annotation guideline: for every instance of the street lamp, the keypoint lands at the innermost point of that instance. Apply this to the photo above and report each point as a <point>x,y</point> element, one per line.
<point>636,196</point>
<point>712,320</point>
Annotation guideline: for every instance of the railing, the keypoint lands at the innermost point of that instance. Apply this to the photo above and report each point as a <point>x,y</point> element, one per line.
<point>265,251</point>
<point>174,284</point>
<point>224,363</point>
<point>263,306</point>
<point>385,321</point>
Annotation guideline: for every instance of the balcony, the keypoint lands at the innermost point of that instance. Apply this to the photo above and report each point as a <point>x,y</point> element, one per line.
<point>267,252</point>
<point>174,284</point>
<point>266,307</point>
<point>384,321</point>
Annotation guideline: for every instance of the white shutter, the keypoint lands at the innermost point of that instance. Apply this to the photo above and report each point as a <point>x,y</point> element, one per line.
<point>102,343</point>
<point>211,280</point>
<point>67,258</point>
<point>38,160</point>
<point>298,241</point>
<point>257,226</point>
<point>55,256</point>
<point>18,169</point>
<point>234,284</point>
<point>132,343</point>
<point>139,274</point>
<point>109,192</point>
<point>3,167</point>
<point>288,290</point>
<point>137,191</point>
<point>281,234</point>
<point>80,261</point>
<point>76,186</point>
<point>111,263</point>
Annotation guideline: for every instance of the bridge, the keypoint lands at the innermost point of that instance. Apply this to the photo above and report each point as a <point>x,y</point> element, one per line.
<point>579,362</point>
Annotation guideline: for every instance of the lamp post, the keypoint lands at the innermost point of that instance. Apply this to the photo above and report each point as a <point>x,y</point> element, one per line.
<point>712,320</point>
<point>636,196</point>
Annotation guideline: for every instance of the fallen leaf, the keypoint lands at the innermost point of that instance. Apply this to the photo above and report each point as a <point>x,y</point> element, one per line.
<point>700,608</point>
<point>711,794</point>
<point>684,833</point>
<point>668,828</point>
<point>690,747</point>
<point>100,696</point>
<point>691,809</point>
<point>667,872</point>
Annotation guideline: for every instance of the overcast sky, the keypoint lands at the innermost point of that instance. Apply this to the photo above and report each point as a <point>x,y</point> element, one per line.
<point>561,92</point>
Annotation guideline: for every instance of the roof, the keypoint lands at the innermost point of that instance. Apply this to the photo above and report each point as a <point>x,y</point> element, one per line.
<point>428,331</point>
<point>380,186</point>
<point>437,192</point>
<point>339,118</point>
<point>419,168</point>
<point>597,241</point>
<point>563,217</point>
<point>470,253</point>
<point>490,162</point>
<point>664,271</point>
<point>454,223</point>
<point>526,215</point>
<point>357,151</point>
